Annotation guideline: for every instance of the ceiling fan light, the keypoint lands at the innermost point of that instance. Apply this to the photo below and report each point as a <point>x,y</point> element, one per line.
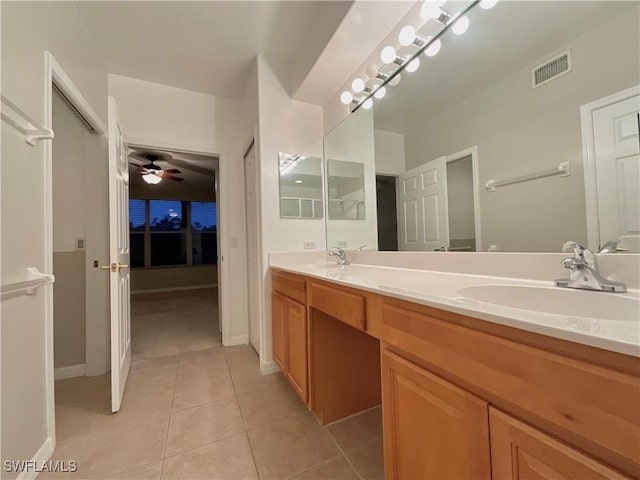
<point>151,178</point>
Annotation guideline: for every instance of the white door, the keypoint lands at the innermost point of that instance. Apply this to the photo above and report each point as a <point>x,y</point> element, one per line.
<point>423,220</point>
<point>251,202</point>
<point>617,159</point>
<point>119,259</point>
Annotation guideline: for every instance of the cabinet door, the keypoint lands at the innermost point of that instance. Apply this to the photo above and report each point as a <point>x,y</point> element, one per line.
<point>297,346</point>
<point>432,429</point>
<point>519,451</point>
<point>279,331</point>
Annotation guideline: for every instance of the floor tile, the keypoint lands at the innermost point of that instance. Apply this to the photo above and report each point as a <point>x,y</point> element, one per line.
<point>337,469</point>
<point>154,363</point>
<point>368,460</point>
<point>145,472</point>
<point>357,430</point>
<point>153,378</point>
<point>71,449</point>
<point>291,446</point>
<point>202,425</point>
<point>226,459</point>
<point>240,355</point>
<point>249,378</point>
<point>200,390</point>
<point>269,404</point>
<point>77,419</point>
<point>137,407</point>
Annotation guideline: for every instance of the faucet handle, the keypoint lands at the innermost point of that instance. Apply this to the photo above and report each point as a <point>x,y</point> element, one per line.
<point>361,248</point>
<point>580,253</point>
<point>338,251</point>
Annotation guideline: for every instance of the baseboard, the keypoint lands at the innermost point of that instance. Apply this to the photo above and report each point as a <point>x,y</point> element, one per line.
<point>42,455</point>
<point>173,289</point>
<point>268,367</point>
<point>71,371</point>
<point>237,340</point>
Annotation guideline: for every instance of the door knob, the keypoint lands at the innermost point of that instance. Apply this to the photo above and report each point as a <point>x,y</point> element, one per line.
<point>114,267</point>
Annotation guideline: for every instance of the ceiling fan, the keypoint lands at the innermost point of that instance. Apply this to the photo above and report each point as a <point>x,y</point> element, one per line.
<point>152,173</point>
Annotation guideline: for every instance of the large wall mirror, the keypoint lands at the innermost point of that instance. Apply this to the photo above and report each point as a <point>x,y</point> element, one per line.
<point>519,135</point>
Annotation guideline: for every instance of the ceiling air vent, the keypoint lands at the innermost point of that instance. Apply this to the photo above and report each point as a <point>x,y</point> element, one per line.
<point>552,69</point>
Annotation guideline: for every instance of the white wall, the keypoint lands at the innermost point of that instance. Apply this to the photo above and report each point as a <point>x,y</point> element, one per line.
<point>389,151</point>
<point>520,130</point>
<point>28,29</point>
<point>174,118</point>
<point>288,126</point>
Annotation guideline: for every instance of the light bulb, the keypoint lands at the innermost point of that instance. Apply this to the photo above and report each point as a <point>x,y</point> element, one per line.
<point>433,49</point>
<point>430,9</point>
<point>372,71</point>
<point>357,85</point>
<point>388,54</point>
<point>380,93</point>
<point>346,97</point>
<point>368,103</point>
<point>460,26</point>
<point>395,80</point>
<point>151,178</point>
<point>487,4</point>
<point>413,65</point>
<point>407,35</point>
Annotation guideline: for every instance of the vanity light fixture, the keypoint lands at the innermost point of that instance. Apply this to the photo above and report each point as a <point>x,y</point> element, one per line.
<point>408,36</point>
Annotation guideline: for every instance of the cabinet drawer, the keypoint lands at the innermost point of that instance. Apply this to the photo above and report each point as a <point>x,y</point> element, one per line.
<point>342,305</point>
<point>590,406</point>
<point>289,285</point>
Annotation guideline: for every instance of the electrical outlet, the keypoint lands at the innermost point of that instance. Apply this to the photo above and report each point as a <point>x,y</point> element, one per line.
<point>80,244</point>
<point>342,244</point>
<point>310,245</point>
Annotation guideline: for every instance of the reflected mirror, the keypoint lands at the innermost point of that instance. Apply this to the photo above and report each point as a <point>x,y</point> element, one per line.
<point>520,134</point>
<point>346,190</point>
<point>300,186</point>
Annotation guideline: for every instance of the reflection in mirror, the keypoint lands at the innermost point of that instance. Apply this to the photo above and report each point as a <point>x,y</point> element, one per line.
<point>351,182</point>
<point>520,135</point>
<point>346,190</point>
<point>300,186</point>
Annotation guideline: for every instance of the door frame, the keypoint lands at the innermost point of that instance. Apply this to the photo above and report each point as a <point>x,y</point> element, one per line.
<point>473,152</point>
<point>589,159</point>
<point>54,73</point>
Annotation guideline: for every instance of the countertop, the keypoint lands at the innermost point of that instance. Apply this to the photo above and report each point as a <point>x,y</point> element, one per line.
<point>579,316</point>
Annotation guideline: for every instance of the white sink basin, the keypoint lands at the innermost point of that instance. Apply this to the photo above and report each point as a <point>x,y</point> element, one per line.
<point>559,301</point>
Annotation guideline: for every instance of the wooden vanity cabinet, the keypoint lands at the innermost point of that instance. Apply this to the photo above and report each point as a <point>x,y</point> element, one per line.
<point>433,429</point>
<point>520,451</point>
<point>289,336</point>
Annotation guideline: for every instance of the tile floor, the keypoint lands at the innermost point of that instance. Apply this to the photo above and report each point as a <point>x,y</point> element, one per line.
<point>205,414</point>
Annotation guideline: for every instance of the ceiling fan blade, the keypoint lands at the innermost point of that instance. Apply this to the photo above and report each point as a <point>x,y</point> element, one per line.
<point>171,177</point>
<point>193,168</point>
<point>171,170</point>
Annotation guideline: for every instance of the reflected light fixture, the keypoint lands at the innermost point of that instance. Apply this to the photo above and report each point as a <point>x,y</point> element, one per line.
<point>388,54</point>
<point>487,4</point>
<point>297,181</point>
<point>413,65</point>
<point>151,178</point>
<point>430,9</point>
<point>372,71</point>
<point>380,93</point>
<point>433,49</point>
<point>395,80</point>
<point>368,103</point>
<point>461,25</point>
<point>346,97</point>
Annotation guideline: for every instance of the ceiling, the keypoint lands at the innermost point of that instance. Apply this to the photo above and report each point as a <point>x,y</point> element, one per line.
<point>511,36</point>
<point>208,46</point>
<point>198,172</point>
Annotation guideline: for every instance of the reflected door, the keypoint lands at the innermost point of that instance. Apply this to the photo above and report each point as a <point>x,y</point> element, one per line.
<point>423,223</point>
<point>617,154</point>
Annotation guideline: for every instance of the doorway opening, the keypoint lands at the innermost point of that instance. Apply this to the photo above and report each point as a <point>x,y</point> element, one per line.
<point>174,252</point>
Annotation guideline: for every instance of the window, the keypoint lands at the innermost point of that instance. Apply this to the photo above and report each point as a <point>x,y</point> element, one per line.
<point>204,242</point>
<point>172,232</point>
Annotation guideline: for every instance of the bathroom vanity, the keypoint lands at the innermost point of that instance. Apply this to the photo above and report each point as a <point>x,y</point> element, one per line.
<point>469,389</point>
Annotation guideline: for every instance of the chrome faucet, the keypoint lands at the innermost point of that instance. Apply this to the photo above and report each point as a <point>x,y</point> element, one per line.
<point>342,256</point>
<point>612,247</point>
<point>583,272</point>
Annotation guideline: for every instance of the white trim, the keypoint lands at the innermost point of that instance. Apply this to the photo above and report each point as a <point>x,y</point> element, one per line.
<point>473,152</point>
<point>238,340</point>
<point>589,159</point>
<point>174,289</point>
<point>53,72</point>
<point>71,371</point>
<point>42,455</point>
<point>267,368</point>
